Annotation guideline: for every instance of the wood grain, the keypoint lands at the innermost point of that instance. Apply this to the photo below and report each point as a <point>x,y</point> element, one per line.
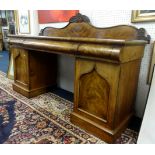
<point>94,94</point>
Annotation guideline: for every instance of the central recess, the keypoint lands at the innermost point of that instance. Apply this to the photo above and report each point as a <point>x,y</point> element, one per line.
<point>65,77</point>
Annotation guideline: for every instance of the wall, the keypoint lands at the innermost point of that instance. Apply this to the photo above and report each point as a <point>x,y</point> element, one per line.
<point>34,22</point>
<point>148,126</point>
<point>105,18</point>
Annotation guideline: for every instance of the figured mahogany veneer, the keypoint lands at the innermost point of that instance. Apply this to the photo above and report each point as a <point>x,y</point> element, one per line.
<point>106,71</point>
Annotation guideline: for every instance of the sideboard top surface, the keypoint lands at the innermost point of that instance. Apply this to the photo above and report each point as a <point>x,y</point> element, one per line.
<point>75,39</point>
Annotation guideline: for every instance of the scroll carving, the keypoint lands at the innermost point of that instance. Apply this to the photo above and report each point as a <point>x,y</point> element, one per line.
<point>142,35</point>
<point>79,18</point>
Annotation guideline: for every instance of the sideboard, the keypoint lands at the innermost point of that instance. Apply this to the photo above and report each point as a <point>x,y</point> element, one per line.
<point>107,64</point>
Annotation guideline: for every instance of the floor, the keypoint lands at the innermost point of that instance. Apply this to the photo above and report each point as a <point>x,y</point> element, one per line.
<point>4,63</point>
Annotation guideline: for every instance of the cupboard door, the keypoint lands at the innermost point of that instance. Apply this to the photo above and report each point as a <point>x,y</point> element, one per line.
<point>21,68</point>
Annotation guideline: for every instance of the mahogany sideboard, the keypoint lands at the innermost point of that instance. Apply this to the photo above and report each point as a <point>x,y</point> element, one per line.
<point>107,64</point>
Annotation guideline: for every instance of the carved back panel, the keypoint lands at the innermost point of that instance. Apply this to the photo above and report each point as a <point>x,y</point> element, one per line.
<point>79,26</point>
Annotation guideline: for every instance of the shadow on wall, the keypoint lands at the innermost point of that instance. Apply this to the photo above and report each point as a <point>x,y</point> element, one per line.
<point>7,119</point>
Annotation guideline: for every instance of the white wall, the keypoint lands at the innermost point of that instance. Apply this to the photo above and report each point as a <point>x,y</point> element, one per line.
<point>34,22</point>
<point>105,18</point>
